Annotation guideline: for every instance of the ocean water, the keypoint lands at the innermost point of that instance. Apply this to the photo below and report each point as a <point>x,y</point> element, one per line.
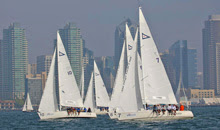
<point>205,118</point>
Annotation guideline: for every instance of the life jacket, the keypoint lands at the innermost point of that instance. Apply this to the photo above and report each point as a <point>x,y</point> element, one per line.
<point>181,108</point>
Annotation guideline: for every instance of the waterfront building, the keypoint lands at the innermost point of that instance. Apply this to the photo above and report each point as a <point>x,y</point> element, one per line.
<point>43,63</point>
<point>201,93</point>
<point>192,68</point>
<point>7,105</point>
<point>73,43</point>
<point>211,53</point>
<point>120,37</point>
<point>14,59</point>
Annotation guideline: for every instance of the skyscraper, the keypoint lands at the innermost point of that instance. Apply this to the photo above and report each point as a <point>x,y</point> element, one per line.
<point>73,43</point>
<point>211,53</point>
<point>43,63</point>
<point>192,68</point>
<point>178,53</point>
<point>120,36</point>
<point>14,62</point>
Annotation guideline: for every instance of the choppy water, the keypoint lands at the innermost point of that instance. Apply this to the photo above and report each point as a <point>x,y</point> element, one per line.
<point>205,118</point>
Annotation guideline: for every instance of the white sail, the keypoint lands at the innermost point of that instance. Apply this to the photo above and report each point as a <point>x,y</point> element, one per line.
<point>68,90</point>
<point>140,76</point>
<point>130,98</point>
<point>119,80</point>
<point>25,106</point>
<point>102,98</point>
<point>29,105</point>
<point>157,87</point>
<point>82,83</point>
<point>89,101</point>
<point>48,101</point>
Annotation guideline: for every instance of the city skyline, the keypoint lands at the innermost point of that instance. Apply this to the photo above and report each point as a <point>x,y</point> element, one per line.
<point>176,20</point>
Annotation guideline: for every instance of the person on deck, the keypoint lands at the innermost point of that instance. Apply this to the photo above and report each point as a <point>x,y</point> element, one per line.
<point>155,109</point>
<point>169,109</point>
<point>158,109</point>
<point>89,110</point>
<point>181,107</point>
<point>174,109</point>
<point>84,109</point>
<point>163,109</point>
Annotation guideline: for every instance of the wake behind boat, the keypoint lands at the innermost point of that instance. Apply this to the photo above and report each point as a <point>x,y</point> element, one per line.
<point>68,91</point>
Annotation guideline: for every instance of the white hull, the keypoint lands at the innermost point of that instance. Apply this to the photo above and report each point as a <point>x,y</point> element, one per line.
<point>98,112</point>
<point>113,115</point>
<point>150,116</point>
<point>63,114</point>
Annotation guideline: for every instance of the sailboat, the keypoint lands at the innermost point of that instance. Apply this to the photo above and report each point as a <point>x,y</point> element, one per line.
<point>119,80</point>
<point>156,86</point>
<point>68,91</point>
<point>27,105</point>
<point>101,94</point>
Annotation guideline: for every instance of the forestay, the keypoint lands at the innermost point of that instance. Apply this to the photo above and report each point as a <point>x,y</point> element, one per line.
<point>68,89</point>
<point>157,87</point>
<point>48,101</point>
<point>102,98</point>
<point>89,101</point>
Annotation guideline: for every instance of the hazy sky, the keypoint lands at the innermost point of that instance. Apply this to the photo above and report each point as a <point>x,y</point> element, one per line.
<point>169,20</point>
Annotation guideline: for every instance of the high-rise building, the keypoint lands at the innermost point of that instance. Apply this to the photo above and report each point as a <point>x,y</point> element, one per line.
<point>32,69</point>
<point>43,63</point>
<point>120,36</point>
<point>192,68</point>
<point>200,80</point>
<point>14,54</point>
<point>178,53</point>
<point>73,43</point>
<point>211,58</point>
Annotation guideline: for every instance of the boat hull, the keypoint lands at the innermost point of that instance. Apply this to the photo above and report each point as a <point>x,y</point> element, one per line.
<point>63,114</point>
<point>150,116</point>
<point>98,112</point>
<point>113,115</point>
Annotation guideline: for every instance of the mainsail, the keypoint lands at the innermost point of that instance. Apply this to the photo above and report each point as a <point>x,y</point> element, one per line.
<point>89,101</point>
<point>102,98</point>
<point>68,90</point>
<point>48,101</point>
<point>157,88</point>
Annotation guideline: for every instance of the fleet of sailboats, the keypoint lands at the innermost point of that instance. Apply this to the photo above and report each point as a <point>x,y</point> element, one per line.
<point>140,80</point>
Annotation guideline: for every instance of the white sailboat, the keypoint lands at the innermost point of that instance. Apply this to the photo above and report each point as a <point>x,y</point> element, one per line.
<point>119,80</point>
<point>27,105</point>
<point>157,88</point>
<point>69,95</point>
<point>101,95</point>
